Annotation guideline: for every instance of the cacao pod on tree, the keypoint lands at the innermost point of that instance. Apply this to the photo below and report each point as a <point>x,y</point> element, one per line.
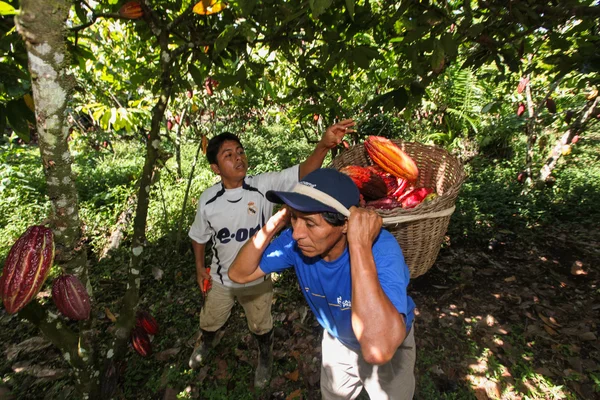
<point>71,298</point>
<point>27,267</point>
<point>569,116</point>
<point>141,341</point>
<point>146,321</point>
<point>520,109</point>
<point>550,105</point>
<point>391,158</point>
<point>131,10</point>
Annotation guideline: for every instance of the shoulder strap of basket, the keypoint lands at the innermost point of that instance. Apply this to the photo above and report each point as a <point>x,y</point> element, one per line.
<point>409,218</point>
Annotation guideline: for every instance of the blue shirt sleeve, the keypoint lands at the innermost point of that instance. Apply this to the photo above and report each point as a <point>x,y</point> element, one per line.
<point>392,271</point>
<point>278,255</point>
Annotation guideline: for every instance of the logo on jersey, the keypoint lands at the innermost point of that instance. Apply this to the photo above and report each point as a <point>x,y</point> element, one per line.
<point>344,303</point>
<point>241,235</point>
<point>252,208</point>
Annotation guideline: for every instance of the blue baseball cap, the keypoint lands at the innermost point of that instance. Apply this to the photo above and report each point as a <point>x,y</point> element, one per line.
<point>323,190</point>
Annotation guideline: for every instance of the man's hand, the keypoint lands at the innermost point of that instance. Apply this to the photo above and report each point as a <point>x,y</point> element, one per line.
<point>335,133</point>
<point>363,226</point>
<point>278,220</point>
<point>202,275</point>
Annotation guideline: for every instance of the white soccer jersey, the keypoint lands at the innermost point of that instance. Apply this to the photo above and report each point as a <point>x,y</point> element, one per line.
<point>231,216</point>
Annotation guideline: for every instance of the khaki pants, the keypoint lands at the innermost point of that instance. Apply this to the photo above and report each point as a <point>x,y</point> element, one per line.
<point>344,372</point>
<point>256,301</point>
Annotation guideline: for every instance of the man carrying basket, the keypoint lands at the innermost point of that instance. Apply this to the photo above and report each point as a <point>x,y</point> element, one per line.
<point>354,278</point>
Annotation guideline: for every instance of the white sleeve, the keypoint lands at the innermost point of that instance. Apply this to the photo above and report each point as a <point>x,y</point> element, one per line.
<point>282,181</point>
<point>200,231</point>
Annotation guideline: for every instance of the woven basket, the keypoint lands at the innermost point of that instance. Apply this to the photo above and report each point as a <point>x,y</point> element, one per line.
<point>420,230</point>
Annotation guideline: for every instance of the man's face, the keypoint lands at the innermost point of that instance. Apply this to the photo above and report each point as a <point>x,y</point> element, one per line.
<point>316,237</point>
<point>231,161</point>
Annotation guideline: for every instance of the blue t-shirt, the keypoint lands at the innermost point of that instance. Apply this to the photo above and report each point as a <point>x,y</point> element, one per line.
<point>327,286</point>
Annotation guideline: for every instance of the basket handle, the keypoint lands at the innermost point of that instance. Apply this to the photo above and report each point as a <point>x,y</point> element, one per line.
<point>409,218</point>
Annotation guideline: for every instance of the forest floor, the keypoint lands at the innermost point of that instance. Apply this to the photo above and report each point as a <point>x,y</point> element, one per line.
<point>515,320</point>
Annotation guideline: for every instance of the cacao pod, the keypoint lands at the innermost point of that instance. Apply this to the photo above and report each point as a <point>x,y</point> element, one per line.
<point>71,298</point>
<point>141,341</point>
<point>109,381</point>
<point>550,105</point>
<point>569,116</point>
<point>146,321</point>
<point>27,267</point>
<point>391,182</point>
<point>387,203</point>
<point>520,109</point>
<point>522,84</point>
<point>189,93</point>
<point>208,85</point>
<point>391,158</point>
<point>169,125</point>
<point>575,139</point>
<point>131,10</point>
<point>369,184</point>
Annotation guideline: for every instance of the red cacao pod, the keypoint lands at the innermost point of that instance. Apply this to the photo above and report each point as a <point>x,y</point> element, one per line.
<point>575,139</point>
<point>27,267</point>
<point>169,125</point>
<point>146,321</point>
<point>391,158</point>
<point>131,10</point>
<point>189,93</point>
<point>520,109</point>
<point>71,298</point>
<point>550,105</point>
<point>369,184</point>
<point>141,342</point>
<point>208,85</point>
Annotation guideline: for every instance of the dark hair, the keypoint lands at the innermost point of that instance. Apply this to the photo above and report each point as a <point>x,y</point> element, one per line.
<point>334,218</point>
<point>214,145</point>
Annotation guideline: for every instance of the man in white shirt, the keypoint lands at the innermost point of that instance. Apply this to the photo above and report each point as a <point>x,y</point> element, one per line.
<point>229,213</point>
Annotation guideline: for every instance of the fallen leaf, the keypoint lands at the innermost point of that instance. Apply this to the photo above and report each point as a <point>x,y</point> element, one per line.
<point>296,394</point>
<point>510,279</point>
<point>27,346</point>
<point>166,354</point>
<point>292,376</point>
<point>587,336</point>
<point>157,273</point>
<point>550,331</point>
<point>110,315</point>
<point>221,372</point>
<point>577,269</point>
<point>548,321</point>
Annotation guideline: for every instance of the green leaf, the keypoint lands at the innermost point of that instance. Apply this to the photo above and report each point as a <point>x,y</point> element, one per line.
<point>16,112</point>
<point>7,9</point>
<point>318,7</point>
<point>80,12</point>
<point>2,120</point>
<point>437,58</point>
<point>397,98</point>
<point>247,6</point>
<point>196,75</point>
<point>362,56</point>
<point>224,39</point>
<point>449,44</point>
<point>350,8</point>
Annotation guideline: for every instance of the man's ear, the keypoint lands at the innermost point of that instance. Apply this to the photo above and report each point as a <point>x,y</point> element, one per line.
<point>215,169</point>
<point>345,227</point>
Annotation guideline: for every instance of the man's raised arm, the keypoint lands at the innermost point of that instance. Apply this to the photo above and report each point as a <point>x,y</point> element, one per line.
<point>331,138</point>
<point>245,267</point>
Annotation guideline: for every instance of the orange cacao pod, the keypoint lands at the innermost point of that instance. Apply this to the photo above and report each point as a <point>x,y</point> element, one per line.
<point>147,322</point>
<point>131,10</point>
<point>27,267</point>
<point>71,298</point>
<point>369,184</point>
<point>141,342</point>
<point>391,158</point>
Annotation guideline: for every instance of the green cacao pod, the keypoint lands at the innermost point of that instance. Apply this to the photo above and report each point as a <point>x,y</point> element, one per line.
<point>27,267</point>
<point>71,298</point>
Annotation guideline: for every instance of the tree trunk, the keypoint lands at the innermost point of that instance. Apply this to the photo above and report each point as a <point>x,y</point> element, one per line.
<point>576,127</point>
<point>126,319</point>
<point>42,26</point>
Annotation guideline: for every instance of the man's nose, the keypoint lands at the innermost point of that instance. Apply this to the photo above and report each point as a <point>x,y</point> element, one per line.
<point>298,231</point>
